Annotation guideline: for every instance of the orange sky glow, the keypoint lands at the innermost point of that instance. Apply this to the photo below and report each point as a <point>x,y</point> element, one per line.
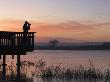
<point>65,20</point>
<point>68,30</point>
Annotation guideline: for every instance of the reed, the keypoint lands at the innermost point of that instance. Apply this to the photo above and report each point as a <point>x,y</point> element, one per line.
<point>78,73</point>
<point>40,69</point>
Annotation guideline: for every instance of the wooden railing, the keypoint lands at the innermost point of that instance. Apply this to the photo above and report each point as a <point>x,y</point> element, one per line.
<point>16,42</point>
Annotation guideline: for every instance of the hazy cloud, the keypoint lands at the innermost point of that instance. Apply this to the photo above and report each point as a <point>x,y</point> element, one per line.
<point>68,29</point>
<point>67,25</point>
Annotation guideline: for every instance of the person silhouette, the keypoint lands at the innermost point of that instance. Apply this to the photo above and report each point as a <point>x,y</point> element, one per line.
<point>26,26</point>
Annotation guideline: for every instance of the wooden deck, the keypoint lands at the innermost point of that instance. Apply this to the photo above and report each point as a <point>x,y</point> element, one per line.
<point>13,43</point>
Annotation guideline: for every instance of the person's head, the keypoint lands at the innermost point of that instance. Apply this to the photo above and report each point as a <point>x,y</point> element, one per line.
<point>26,22</point>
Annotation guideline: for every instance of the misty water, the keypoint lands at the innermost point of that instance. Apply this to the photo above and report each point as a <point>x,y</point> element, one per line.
<point>100,59</point>
<point>52,57</point>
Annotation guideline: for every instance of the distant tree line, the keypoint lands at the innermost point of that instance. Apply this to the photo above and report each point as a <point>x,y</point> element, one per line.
<point>53,45</point>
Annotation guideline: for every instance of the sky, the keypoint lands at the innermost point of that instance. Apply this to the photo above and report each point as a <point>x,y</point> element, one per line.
<point>66,20</point>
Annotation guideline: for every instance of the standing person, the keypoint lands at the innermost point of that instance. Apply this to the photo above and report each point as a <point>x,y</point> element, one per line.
<point>26,26</point>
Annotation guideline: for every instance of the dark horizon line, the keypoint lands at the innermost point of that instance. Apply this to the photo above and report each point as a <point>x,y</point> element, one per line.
<point>104,46</point>
<point>76,42</point>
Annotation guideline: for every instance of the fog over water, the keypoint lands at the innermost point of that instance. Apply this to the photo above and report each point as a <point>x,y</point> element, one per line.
<point>52,57</point>
<point>100,59</point>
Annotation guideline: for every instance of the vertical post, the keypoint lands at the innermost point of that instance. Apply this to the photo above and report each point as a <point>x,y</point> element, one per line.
<point>33,40</point>
<point>18,67</point>
<point>4,68</point>
<point>12,56</point>
<point>0,56</point>
<point>24,41</point>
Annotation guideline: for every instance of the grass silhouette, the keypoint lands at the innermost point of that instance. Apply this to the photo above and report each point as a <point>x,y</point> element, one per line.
<point>43,71</point>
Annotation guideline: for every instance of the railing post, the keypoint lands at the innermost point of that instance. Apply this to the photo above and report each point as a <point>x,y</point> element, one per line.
<point>12,56</point>
<point>33,40</point>
<point>0,56</point>
<point>18,67</point>
<point>4,68</point>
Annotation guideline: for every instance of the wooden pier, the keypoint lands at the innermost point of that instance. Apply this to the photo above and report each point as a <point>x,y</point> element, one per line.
<point>15,43</point>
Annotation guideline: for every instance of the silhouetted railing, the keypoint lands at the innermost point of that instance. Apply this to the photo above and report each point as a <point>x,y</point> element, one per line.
<point>16,42</point>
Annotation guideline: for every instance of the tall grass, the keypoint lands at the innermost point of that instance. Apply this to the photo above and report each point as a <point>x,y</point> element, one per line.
<point>11,73</point>
<point>40,69</point>
<point>78,73</point>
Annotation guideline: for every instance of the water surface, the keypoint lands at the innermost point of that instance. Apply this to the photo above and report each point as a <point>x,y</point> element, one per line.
<point>67,57</point>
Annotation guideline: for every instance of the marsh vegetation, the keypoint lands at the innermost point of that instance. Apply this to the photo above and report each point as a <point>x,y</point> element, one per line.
<point>41,72</point>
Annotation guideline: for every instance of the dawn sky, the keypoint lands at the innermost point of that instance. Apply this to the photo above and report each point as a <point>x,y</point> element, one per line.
<point>87,20</point>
